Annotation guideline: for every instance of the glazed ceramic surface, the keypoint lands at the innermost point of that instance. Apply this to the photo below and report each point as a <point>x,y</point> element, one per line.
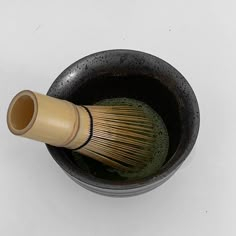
<point>137,75</point>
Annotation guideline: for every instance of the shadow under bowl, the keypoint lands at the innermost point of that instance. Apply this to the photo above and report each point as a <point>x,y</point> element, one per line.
<point>130,74</point>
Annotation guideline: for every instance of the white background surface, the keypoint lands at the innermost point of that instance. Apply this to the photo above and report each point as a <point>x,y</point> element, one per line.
<point>39,39</point>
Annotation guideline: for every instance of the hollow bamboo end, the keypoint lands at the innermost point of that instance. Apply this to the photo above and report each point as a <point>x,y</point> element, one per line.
<point>22,112</point>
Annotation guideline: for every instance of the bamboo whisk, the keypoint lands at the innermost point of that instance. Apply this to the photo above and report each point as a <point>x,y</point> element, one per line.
<point>118,136</point>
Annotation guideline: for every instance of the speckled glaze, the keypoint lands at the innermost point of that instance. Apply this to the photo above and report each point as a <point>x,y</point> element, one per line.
<point>138,75</point>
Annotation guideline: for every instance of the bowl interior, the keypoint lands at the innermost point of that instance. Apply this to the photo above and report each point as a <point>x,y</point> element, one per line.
<point>143,88</point>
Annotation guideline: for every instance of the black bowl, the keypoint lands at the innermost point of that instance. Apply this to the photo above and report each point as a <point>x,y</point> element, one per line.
<point>132,74</point>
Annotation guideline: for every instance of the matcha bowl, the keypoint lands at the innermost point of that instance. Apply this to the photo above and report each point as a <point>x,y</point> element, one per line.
<point>126,76</point>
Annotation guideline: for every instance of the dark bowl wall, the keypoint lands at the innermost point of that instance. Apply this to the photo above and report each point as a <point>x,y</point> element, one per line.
<point>132,74</point>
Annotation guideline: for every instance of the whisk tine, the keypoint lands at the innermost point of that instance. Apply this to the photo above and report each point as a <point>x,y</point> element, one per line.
<point>137,127</point>
<point>106,160</point>
<point>122,137</point>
